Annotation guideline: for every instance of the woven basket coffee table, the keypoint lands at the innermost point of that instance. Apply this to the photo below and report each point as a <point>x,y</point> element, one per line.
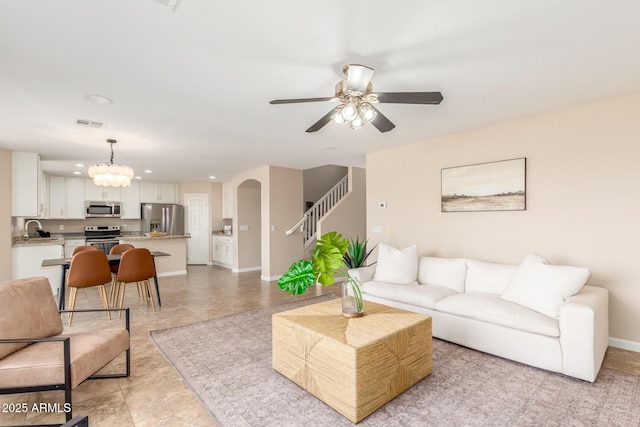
<point>354,365</point>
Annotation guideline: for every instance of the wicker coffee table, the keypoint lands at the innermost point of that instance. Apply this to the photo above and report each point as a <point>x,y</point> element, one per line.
<point>354,365</point>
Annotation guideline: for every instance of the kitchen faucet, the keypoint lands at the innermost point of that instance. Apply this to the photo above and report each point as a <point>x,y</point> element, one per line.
<point>26,227</point>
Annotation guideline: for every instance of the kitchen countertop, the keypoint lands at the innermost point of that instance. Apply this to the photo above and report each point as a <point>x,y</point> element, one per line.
<point>38,241</point>
<point>143,237</point>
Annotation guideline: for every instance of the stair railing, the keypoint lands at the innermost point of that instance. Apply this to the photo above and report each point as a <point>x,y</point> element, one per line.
<point>308,224</point>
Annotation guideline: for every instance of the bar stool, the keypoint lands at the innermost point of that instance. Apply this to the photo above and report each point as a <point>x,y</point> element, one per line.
<point>116,250</point>
<point>136,265</point>
<point>84,248</point>
<point>88,268</point>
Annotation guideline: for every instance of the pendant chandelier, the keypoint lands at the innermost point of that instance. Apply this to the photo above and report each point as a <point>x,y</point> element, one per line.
<point>110,174</point>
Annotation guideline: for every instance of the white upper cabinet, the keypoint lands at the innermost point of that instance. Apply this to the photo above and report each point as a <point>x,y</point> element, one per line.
<point>57,197</point>
<point>97,193</point>
<point>75,197</point>
<point>66,197</point>
<point>26,182</point>
<point>158,192</point>
<point>227,200</point>
<point>131,201</point>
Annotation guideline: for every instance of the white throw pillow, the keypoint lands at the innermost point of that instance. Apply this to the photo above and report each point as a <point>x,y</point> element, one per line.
<point>399,266</point>
<point>543,287</point>
<point>447,272</point>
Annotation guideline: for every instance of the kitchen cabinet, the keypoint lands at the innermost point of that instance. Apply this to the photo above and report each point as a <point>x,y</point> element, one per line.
<point>131,201</point>
<point>227,200</point>
<point>223,250</point>
<point>98,193</point>
<point>26,185</point>
<point>65,197</point>
<point>158,192</point>
<point>56,197</point>
<point>71,244</point>
<point>27,262</point>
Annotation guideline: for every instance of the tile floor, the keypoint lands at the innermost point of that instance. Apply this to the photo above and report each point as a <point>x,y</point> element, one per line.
<point>154,394</point>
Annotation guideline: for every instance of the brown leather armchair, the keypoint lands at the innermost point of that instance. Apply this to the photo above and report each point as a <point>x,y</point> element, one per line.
<point>37,355</point>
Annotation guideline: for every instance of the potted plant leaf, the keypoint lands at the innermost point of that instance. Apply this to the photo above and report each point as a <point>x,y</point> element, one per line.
<point>333,254</point>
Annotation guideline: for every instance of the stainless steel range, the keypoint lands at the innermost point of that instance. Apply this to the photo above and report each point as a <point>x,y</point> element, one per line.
<point>104,237</point>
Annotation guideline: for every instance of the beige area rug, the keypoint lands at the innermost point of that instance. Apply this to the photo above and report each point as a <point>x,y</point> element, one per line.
<point>227,363</point>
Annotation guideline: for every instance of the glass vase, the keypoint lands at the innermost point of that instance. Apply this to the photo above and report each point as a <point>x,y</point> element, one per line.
<point>352,304</point>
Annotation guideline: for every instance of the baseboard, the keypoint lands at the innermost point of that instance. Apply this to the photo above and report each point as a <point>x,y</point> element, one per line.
<point>172,273</point>
<point>624,344</point>
<point>270,278</point>
<point>244,270</point>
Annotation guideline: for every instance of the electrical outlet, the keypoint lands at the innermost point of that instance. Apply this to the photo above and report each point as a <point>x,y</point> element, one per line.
<point>61,227</point>
<point>376,229</point>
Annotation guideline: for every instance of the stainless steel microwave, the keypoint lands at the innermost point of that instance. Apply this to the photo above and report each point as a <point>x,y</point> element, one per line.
<point>100,209</point>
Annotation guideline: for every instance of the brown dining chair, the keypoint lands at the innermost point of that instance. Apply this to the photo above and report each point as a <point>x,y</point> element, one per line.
<point>84,248</point>
<point>118,249</point>
<point>136,265</point>
<point>88,268</point>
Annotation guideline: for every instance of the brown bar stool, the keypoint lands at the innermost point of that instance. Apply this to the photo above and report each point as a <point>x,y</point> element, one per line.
<point>84,248</point>
<point>88,268</point>
<point>136,265</point>
<point>116,250</point>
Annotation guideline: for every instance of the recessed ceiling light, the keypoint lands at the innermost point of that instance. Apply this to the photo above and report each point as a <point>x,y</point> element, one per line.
<point>138,177</point>
<point>77,173</point>
<point>79,165</point>
<point>98,99</point>
<point>212,177</point>
<point>148,171</point>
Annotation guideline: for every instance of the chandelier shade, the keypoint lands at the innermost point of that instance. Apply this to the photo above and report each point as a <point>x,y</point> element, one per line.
<point>110,174</point>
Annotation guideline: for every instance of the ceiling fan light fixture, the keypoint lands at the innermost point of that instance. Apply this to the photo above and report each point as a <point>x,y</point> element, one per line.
<point>349,112</point>
<point>111,174</point>
<point>367,112</point>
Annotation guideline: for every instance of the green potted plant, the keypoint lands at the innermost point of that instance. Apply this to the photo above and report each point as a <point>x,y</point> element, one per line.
<point>333,254</point>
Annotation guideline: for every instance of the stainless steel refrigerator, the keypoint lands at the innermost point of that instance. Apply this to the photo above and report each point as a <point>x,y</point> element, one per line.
<point>162,217</point>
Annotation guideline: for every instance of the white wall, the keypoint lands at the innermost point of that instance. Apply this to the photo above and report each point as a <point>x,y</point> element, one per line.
<point>583,173</point>
<point>5,215</point>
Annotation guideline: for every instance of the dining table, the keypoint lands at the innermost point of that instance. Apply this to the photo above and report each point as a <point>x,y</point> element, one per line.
<point>114,259</point>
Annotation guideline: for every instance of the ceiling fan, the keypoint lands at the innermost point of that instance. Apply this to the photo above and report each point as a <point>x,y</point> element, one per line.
<point>356,101</point>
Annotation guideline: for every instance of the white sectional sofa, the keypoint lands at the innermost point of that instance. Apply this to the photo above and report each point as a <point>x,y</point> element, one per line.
<point>533,313</point>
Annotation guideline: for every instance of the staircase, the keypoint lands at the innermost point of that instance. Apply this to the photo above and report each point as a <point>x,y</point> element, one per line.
<point>308,224</point>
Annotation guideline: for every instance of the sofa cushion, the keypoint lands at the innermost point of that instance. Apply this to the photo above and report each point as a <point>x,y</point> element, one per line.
<point>399,266</point>
<point>447,272</point>
<point>491,308</point>
<point>27,310</point>
<point>488,276</point>
<point>418,295</point>
<point>544,287</point>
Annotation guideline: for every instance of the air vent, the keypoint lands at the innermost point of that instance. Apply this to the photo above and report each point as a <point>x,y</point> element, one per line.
<point>170,4</point>
<point>90,123</point>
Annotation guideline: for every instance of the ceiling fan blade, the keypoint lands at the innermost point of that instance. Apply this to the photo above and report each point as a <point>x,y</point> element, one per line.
<point>410,97</point>
<point>293,101</point>
<point>358,77</point>
<point>322,122</point>
<point>381,122</point>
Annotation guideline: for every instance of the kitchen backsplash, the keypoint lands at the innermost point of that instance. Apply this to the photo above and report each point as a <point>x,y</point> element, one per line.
<point>73,225</point>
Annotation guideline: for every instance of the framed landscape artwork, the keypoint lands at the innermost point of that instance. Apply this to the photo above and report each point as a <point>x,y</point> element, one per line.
<point>495,186</point>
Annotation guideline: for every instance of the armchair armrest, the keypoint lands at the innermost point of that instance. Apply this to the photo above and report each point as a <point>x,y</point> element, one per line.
<point>584,332</point>
<point>363,274</point>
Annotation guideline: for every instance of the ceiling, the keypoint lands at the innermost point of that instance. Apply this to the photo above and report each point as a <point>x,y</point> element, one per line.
<point>191,86</point>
